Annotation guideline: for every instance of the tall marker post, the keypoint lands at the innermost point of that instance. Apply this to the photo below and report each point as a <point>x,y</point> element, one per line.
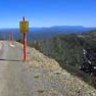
<point>24,28</point>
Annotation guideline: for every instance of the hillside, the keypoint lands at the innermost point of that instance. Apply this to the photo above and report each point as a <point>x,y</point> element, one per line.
<point>53,80</point>
<point>68,51</point>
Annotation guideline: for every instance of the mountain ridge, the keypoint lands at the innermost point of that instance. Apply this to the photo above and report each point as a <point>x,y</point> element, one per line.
<point>45,32</point>
<point>62,27</point>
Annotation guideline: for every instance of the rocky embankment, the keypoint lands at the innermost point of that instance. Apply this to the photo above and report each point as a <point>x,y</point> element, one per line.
<point>49,79</point>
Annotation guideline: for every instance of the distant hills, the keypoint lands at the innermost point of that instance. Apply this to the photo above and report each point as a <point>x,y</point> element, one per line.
<point>63,29</point>
<point>44,32</point>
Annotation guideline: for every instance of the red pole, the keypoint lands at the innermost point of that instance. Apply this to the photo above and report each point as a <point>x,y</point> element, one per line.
<point>25,43</point>
<point>11,38</point>
<point>25,46</point>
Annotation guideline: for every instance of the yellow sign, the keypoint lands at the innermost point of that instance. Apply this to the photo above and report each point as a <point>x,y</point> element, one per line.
<point>24,26</point>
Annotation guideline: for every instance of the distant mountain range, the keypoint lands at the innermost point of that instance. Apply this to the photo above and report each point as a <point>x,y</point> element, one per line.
<point>64,28</point>
<point>44,32</point>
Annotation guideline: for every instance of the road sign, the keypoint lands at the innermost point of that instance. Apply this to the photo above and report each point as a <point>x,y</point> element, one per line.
<point>24,26</point>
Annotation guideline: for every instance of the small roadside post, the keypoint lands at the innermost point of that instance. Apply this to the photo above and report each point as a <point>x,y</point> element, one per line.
<point>24,29</point>
<point>11,38</point>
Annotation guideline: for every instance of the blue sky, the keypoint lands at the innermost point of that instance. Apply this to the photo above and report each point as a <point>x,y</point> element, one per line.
<point>46,13</point>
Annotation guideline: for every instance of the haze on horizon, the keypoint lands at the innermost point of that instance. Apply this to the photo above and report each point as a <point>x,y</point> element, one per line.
<point>45,13</point>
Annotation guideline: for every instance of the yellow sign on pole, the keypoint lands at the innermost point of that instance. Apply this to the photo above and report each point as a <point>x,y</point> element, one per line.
<point>24,26</point>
